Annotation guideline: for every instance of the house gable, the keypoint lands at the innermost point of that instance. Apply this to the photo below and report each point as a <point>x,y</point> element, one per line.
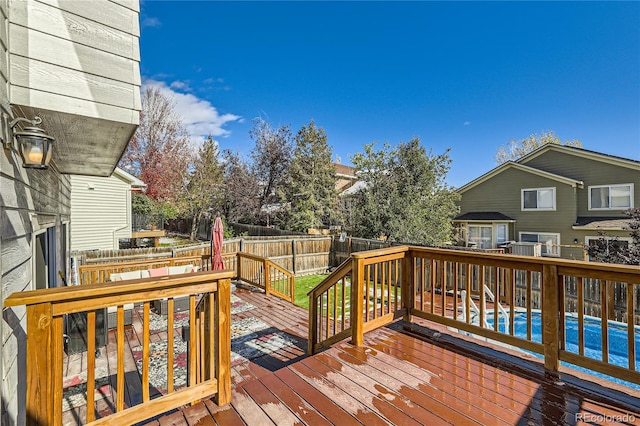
<point>592,168</point>
<point>510,165</point>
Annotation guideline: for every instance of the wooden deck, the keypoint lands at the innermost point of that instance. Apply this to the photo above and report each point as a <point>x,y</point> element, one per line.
<point>404,374</point>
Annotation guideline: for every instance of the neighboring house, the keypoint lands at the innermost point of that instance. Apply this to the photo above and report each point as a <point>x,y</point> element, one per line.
<point>75,64</point>
<point>345,177</point>
<point>557,195</point>
<point>101,210</point>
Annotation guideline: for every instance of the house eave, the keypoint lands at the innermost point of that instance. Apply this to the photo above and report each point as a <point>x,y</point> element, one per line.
<point>84,145</point>
<point>581,152</point>
<point>511,164</point>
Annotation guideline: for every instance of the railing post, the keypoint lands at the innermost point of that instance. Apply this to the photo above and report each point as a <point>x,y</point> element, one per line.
<point>267,284</point>
<point>550,317</point>
<point>313,323</point>
<point>238,266</point>
<point>407,285</point>
<point>357,272</point>
<point>223,342</point>
<point>44,366</point>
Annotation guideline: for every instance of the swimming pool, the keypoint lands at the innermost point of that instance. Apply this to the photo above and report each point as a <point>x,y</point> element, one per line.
<point>617,333</point>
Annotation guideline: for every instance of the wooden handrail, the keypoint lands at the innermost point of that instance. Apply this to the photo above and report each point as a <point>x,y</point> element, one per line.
<point>45,312</point>
<point>380,252</point>
<point>100,272</point>
<point>331,279</point>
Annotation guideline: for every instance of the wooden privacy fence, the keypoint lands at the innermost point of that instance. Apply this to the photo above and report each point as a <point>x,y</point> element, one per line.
<point>209,353</point>
<point>488,295</point>
<point>301,254</point>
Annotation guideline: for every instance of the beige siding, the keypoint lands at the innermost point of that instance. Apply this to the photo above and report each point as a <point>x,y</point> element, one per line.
<point>99,216</point>
<point>591,172</point>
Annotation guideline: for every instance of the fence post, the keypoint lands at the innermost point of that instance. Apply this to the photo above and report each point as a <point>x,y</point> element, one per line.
<point>550,317</point>
<point>355,313</point>
<point>407,285</point>
<point>293,256</point>
<point>239,266</point>
<point>223,343</point>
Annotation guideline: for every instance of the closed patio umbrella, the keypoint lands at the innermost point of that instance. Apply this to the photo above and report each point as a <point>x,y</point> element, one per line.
<point>217,235</point>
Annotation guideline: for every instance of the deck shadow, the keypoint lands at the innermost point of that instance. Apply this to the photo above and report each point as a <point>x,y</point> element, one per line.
<point>270,348</point>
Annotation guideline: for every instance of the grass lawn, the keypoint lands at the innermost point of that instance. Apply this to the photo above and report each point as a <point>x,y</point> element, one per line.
<point>303,285</point>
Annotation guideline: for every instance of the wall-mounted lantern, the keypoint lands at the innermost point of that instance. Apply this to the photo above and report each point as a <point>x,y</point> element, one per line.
<point>32,143</point>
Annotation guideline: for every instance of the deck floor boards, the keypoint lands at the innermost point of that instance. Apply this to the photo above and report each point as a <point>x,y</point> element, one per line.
<point>403,374</point>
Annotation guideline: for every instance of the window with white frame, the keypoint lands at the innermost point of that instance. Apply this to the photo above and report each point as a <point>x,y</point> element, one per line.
<point>611,197</point>
<point>481,236</point>
<point>502,234</point>
<point>487,236</point>
<point>539,199</point>
<point>550,243</point>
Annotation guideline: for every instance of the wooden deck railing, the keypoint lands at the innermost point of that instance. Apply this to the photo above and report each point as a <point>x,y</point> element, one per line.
<point>532,308</point>
<point>209,333</point>
<point>329,311</point>
<point>99,273</point>
<point>255,270</point>
<point>263,273</point>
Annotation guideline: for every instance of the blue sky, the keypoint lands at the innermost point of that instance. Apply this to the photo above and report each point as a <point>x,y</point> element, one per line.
<point>468,76</point>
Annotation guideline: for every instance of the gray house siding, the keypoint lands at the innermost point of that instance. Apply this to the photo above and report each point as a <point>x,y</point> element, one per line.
<point>33,201</point>
<point>75,64</point>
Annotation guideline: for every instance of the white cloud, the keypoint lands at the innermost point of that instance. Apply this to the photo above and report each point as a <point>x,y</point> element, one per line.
<point>180,85</point>
<point>198,115</point>
<point>151,22</point>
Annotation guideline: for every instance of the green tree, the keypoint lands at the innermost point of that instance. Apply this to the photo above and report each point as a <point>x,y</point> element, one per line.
<point>404,197</point>
<point>141,204</point>
<point>611,250</point>
<point>311,189</point>
<point>519,148</point>
<point>204,192</point>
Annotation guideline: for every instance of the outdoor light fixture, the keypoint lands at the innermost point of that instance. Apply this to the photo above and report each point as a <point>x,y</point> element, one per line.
<point>32,143</point>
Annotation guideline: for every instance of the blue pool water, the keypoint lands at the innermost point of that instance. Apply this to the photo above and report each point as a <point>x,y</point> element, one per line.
<point>618,344</point>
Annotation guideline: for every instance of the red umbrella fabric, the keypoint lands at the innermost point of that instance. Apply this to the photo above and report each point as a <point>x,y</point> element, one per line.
<point>217,235</point>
